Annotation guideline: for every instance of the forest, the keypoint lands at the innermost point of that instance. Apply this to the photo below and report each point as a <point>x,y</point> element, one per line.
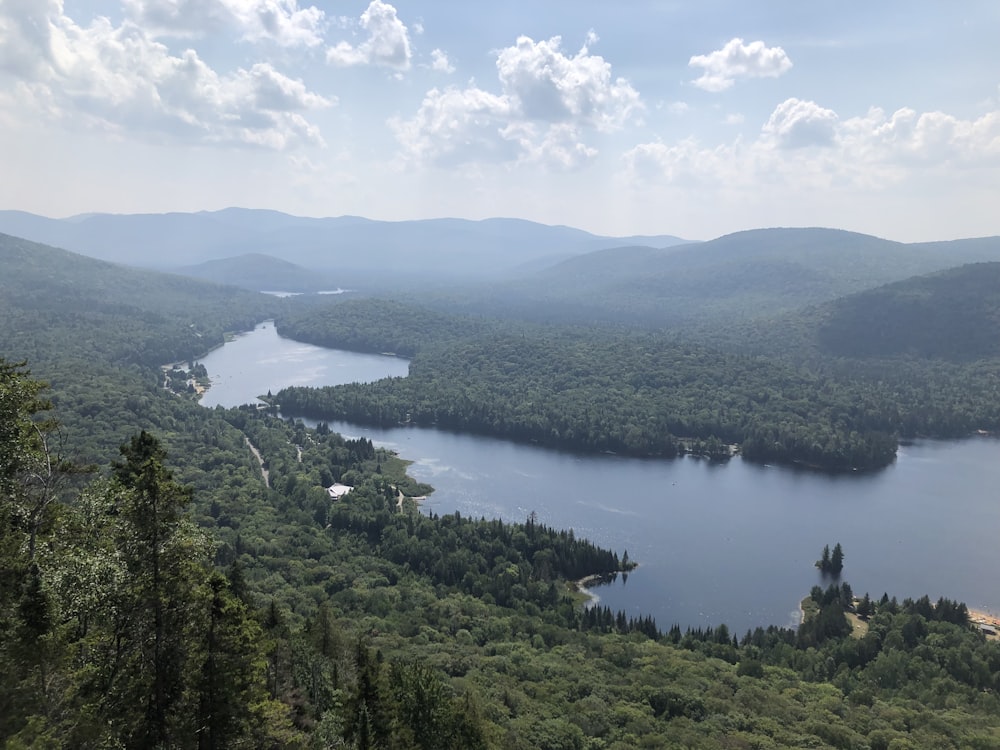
<point>157,591</point>
<point>248,614</point>
<point>642,393</point>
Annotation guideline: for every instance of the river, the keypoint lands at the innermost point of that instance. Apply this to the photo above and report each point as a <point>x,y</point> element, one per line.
<point>732,542</point>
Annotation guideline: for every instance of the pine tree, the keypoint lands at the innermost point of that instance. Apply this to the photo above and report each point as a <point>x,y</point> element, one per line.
<point>164,565</point>
<point>824,562</point>
<point>837,560</point>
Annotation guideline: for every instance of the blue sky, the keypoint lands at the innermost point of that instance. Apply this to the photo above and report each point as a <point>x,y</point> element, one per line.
<point>687,118</point>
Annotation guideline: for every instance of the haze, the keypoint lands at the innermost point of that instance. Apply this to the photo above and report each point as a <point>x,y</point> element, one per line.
<point>689,119</point>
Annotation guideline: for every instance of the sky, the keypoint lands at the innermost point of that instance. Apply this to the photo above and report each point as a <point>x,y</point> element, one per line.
<point>694,118</point>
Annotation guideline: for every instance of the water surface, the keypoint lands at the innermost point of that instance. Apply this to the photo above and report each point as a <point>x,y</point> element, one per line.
<point>260,361</point>
<point>731,542</point>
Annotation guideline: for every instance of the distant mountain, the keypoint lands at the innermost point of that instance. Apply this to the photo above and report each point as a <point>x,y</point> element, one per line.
<point>749,274</point>
<point>259,273</point>
<point>952,315</point>
<point>347,244</point>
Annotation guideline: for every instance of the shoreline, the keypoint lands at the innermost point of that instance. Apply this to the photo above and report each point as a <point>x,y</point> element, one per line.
<point>583,585</point>
<point>982,617</point>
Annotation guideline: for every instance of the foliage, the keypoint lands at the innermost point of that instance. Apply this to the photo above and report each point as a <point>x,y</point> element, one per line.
<point>640,394</point>
<point>831,564</point>
<point>950,315</point>
<point>239,612</point>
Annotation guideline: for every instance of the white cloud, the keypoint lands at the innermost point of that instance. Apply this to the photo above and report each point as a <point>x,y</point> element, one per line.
<point>440,62</point>
<point>798,124</point>
<point>546,85</point>
<point>872,152</point>
<point>454,126</point>
<point>25,36</point>
<point>683,163</point>
<point>119,79</point>
<point>738,60</point>
<point>909,140</point>
<point>387,44</point>
<point>548,100</point>
<point>734,118</point>
<point>280,21</point>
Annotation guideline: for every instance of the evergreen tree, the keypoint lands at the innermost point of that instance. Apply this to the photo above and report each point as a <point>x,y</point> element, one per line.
<point>231,687</point>
<point>164,559</point>
<point>824,561</point>
<point>837,560</point>
<point>26,496</point>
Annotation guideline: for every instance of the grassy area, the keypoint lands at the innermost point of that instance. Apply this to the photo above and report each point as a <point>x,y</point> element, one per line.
<point>859,627</point>
<point>808,608</point>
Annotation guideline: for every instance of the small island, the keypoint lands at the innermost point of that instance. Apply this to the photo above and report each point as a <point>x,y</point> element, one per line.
<point>831,564</point>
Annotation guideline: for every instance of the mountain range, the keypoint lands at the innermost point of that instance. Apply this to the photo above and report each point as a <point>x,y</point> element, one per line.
<point>347,244</point>
<point>752,274</point>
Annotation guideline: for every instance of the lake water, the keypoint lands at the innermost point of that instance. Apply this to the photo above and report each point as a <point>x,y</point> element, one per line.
<point>256,362</point>
<point>731,542</point>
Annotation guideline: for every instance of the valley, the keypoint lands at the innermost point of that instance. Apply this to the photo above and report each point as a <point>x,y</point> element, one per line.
<point>356,608</point>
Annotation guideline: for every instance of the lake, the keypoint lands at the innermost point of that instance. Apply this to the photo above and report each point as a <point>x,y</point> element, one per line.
<point>254,363</point>
<point>732,542</point>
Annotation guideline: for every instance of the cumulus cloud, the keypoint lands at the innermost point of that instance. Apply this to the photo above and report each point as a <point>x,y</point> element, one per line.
<point>440,62</point>
<point>907,139</point>
<point>280,21</point>
<point>548,100</point>
<point>798,124</point>
<point>119,79</point>
<point>738,60</point>
<point>805,145</point>
<point>683,163</point>
<point>547,85</point>
<point>454,126</point>
<point>387,43</point>
<point>25,36</point>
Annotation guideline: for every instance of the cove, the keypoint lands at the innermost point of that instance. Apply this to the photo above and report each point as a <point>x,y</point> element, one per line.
<point>726,543</point>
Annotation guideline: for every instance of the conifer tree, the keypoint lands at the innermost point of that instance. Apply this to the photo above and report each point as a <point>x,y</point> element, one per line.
<point>164,565</point>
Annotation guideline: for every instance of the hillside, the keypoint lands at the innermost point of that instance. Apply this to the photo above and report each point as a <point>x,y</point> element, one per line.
<point>426,249</point>
<point>54,298</point>
<point>952,315</point>
<point>261,273</point>
<point>749,274</point>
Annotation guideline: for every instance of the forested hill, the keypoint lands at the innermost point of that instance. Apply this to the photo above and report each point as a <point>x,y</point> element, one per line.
<point>58,302</point>
<point>754,274</point>
<point>258,272</point>
<point>636,393</point>
<point>641,393</point>
<point>99,332</point>
<point>952,315</point>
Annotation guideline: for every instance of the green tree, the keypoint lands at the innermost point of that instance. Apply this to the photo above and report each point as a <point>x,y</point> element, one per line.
<point>233,707</point>
<point>165,559</point>
<point>26,502</point>
<point>824,561</point>
<point>837,560</point>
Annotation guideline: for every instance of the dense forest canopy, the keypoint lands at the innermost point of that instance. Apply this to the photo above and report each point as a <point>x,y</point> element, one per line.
<point>179,593</point>
<point>363,625</point>
<point>952,315</point>
<point>633,392</point>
